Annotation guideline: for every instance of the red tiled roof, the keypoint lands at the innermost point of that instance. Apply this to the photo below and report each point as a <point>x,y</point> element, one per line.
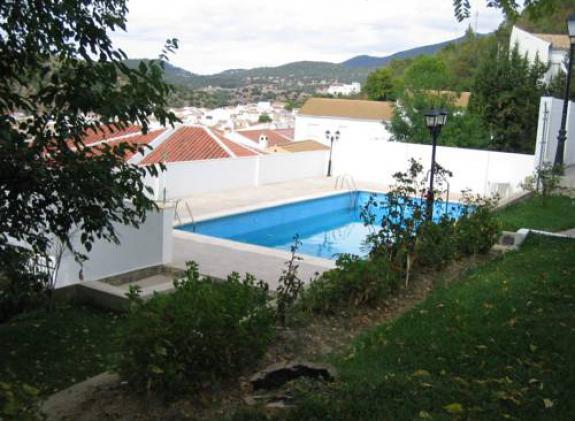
<point>108,132</point>
<point>275,137</point>
<point>194,144</point>
<point>136,140</point>
<point>236,148</point>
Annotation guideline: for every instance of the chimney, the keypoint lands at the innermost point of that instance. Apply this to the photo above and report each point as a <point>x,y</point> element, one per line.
<point>263,141</point>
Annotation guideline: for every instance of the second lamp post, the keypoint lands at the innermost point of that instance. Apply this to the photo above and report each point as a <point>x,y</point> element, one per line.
<point>330,137</point>
<point>434,121</point>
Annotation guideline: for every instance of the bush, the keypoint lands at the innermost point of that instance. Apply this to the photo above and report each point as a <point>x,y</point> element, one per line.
<point>19,402</point>
<point>353,282</point>
<point>204,331</point>
<point>20,288</point>
<point>435,247</point>
<point>478,227</point>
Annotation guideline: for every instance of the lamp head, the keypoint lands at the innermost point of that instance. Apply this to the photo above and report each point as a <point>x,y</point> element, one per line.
<point>571,28</point>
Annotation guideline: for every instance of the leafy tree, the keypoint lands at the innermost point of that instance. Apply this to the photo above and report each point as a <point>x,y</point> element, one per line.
<point>264,118</point>
<point>556,87</point>
<point>463,129</point>
<point>511,8</point>
<point>426,72</point>
<point>380,85</point>
<point>60,78</point>
<point>506,95</point>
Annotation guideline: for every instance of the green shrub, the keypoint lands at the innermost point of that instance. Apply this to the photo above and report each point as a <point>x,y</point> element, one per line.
<point>435,246</point>
<point>203,332</point>
<point>478,228</point>
<point>354,281</point>
<point>20,288</point>
<point>19,402</point>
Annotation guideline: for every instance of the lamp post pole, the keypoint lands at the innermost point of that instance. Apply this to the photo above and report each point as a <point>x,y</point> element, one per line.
<point>430,193</point>
<point>562,136</point>
<point>434,120</point>
<point>331,138</point>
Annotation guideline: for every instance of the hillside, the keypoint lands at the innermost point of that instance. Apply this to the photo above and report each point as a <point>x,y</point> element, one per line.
<point>371,61</point>
<point>303,75</point>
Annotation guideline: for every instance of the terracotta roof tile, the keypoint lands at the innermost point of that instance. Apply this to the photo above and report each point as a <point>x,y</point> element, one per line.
<point>194,144</point>
<point>108,132</point>
<point>556,40</point>
<point>348,108</point>
<point>136,140</point>
<point>275,137</point>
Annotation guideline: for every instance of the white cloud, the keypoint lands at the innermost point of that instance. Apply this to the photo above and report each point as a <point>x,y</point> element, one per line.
<point>216,35</point>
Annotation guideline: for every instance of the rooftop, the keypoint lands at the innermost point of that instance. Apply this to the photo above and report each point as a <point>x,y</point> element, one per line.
<point>348,108</point>
<point>194,143</point>
<point>556,40</point>
<point>301,146</point>
<point>275,137</point>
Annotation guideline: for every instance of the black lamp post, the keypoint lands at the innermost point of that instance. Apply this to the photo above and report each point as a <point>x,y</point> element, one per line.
<point>331,138</point>
<point>434,120</point>
<point>562,136</point>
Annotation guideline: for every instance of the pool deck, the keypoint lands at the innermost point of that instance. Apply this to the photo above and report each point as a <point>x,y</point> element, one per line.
<point>218,258</point>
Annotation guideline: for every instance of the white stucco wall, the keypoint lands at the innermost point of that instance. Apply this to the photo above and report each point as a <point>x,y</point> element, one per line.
<point>550,111</point>
<point>308,127</point>
<point>533,47</point>
<point>148,245</point>
<point>280,167</point>
<point>183,179</point>
<point>477,170</point>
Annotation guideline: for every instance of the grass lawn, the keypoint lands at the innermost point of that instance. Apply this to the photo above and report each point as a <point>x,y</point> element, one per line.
<point>557,214</point>
<point>500,344</point>
<point>51,351</point>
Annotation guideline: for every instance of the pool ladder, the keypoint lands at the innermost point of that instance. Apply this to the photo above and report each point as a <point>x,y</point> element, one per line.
<point>189,212</point>
<point>346,181</point>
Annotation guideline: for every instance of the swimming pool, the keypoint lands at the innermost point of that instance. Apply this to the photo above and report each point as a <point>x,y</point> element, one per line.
<point>326,226</point>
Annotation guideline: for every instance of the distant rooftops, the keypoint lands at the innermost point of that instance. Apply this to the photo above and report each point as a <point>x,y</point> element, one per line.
<point>348,108</point>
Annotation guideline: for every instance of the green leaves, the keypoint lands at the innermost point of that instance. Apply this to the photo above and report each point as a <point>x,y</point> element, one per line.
<point>61,72</point>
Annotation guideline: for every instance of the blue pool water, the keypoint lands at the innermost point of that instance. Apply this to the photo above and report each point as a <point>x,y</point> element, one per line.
<point>326,226</point>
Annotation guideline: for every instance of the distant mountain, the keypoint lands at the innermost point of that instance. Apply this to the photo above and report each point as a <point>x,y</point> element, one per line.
<point>296,75</point>
<point>371,61</point>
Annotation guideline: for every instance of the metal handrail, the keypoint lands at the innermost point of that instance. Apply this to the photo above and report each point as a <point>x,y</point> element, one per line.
<point>190,214</point>
<point>352,187</point>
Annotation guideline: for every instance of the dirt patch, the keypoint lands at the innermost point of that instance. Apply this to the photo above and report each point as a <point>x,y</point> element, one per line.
<point>311,340</point>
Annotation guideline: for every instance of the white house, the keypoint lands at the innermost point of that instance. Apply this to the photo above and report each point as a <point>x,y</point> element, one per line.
<point>356,120</point>
<point>551,49</point>
<point>344,89</point>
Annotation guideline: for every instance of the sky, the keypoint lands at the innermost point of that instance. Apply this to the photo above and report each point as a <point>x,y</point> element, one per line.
<point>216,35</point>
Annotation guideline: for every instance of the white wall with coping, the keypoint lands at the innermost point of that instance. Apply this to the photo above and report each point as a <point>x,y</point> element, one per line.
<point>149,245</point>
<point>353,130</point>
<point>550,111</point>
<point>478,170</point>
<point>280,167</point>
<point>534,47</point>
<point>182,179</point>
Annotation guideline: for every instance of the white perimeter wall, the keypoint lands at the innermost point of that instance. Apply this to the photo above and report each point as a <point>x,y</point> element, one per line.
<point>149,245</point>
<point>314,128</point>
<point>182,179</point>
<point>478,170</point>
<point>550,111</point>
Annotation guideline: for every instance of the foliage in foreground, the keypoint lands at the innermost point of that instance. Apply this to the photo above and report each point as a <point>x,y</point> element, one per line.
<point>405,240</point>
<point>19,402</point>
<point>52,350</point>
<point>496,345</point>
<point>203,332</point>
<point>62,79</point>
